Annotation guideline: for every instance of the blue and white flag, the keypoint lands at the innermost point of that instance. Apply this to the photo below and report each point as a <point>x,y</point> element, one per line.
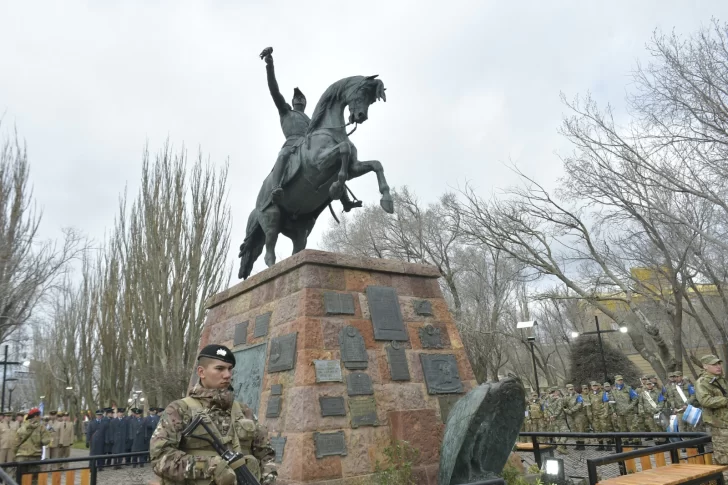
<point>692,415</point>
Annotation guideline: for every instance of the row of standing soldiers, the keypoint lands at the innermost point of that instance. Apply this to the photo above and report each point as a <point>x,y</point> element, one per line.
<point>16,436</point>
<point>606,408</point>
<point>115,433</point>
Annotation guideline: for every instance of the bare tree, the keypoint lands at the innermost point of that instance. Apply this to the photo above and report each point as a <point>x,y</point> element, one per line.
<point>29,266</point>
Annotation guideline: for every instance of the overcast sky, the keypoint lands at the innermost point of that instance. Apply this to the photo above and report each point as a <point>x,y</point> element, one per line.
<point>470,86</point>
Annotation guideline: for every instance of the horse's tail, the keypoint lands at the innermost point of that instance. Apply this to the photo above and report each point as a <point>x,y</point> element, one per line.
<point>252,246</point>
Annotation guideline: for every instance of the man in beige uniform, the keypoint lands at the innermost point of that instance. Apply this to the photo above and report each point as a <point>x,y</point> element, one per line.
<point>65,437</point>
<point>8,432</point>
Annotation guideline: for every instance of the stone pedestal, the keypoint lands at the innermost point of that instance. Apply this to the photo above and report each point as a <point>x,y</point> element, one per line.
<point>286,326</point>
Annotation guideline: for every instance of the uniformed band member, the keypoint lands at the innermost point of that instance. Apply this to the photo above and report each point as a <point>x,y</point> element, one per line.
<point>554,410</point>
<point>680,394</point>
<point>712,393</point>
<point>625,406</point>
<point>599,411</point>
<point>575,410</point>
<point>178,460</point>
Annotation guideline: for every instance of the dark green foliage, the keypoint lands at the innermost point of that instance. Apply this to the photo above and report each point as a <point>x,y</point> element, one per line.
<point>586,363</point>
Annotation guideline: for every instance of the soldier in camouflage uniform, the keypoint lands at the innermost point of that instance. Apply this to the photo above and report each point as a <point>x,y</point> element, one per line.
<point>599,411</point>
<point>712,393</point>
<point>30,440</point>
<point>625,406</point>
<point>190,461</point>
<point>651,402</point>
<point>680,394</point>
<point>554,411</point>
<point>574,408</point>
<point>535,414</point>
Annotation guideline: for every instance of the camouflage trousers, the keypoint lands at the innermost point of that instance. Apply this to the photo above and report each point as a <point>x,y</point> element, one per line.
<point>650,424</point>
<point>34,469</point>
<point>602,424</point>
<point>559,426</point>
<point>625,423</point>
<point>720,445</point>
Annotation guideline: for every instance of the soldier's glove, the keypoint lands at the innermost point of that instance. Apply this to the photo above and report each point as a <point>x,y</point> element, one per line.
<point>221,472</point>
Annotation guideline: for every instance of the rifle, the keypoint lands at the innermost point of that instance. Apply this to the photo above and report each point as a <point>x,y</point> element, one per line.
<point>235,460</point>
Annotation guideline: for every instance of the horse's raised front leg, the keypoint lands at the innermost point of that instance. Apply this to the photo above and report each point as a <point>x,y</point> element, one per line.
<point>337,188</point>
<point>365,166</point>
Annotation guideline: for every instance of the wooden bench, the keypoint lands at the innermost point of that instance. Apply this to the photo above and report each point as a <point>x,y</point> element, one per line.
<point>671,475</point>
<point>660,460</point>
<point>529,447</point>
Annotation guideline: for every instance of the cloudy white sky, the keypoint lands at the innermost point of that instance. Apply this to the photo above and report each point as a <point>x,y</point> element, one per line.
<point>470,86</point>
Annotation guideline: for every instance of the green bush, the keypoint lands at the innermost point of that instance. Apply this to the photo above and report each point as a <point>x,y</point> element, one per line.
<point>513,477</point>
<point>397,470</point>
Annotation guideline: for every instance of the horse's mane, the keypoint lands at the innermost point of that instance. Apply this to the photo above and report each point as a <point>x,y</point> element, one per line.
<point>334,92</point>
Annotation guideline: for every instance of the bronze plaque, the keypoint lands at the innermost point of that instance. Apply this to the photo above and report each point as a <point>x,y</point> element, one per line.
<point>430,337</point>
<point>328,444</point>
<point>441,373</point>
<point>328,370</point>
<point>248,375</point>
<point>338,303</point>
<point>446,404</point>
<point>278,443</point>
<point>363,412</point>
<point>274,407</point>
<point>353,351</point>
<point>282,353</point>
<point>422,307</point>
<point>276,389</point>
<point>241,334</point>
<point>386,314</point>
<point>398,367</point>
<point>359,384</point>
<point>261,325</point>
<point>332,406</point>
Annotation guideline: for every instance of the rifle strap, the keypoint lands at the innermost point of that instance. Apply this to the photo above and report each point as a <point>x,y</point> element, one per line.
<point>717,384</point>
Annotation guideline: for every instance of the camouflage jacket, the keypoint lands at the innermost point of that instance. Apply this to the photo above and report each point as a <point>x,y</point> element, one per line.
<point>187,460</point>
<point>574,405</point>
<point>32,437</point>
<point>625,400</point>
<point>554,409</point>
<point>535,410</point>
<point>597,405</point>
<point>674,399</point>
<point>711,391</point>
<point>645,405</point>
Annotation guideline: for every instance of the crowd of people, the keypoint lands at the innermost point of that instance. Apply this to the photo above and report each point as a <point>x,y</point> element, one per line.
<point>603,407</point>
<point>113,432</point>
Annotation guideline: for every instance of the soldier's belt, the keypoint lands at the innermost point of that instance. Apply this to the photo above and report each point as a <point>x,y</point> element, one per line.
<point>203,452</point>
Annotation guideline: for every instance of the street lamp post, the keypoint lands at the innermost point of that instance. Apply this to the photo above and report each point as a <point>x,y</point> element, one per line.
<point>532,342</point>
<point>11,383</point>
<point>5,365</point>
<point>599,333</point>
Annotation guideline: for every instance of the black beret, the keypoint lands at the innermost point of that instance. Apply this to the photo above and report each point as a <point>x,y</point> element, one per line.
<point>219,352</point>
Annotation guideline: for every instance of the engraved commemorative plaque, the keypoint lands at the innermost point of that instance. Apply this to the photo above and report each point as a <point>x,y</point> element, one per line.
<point>430,337</point>
<point>274,407</point>
<point>446,404</point>
<point>332,406</point>
<point>282,353</point>
<point>278,443</point>
<point>398,367</point>
<point>328,444</point>
<point>261,325</point>
<point>441,373</point>
<point>328,370</point>
<point>422,307</point>
<point>386,314</point>
<point>353,351</point>
<point>359,384</point>
<point>338,303</point>
<point>363,412</point>
<point>248,375</point>
<point>276,389</point>
<point>241,334</point>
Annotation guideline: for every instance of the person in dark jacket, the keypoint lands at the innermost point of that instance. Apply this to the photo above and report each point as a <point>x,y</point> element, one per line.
<point>118,429</point>
<point>95,437</point>
<point>150,424</point>
<point>108,435</point>
<point>136,438</point>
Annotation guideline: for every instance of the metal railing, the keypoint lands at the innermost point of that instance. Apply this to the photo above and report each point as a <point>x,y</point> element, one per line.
<point>6,479</point>
<point>93,463</point>
<point>585,463</point>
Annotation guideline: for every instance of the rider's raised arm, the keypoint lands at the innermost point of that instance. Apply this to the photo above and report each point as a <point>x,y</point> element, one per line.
<point>278,98</point>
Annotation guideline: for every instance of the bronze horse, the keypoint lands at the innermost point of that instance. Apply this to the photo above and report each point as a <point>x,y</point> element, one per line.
<point>324,160</point>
